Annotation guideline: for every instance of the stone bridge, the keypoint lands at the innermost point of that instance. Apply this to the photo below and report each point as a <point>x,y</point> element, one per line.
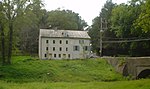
<point>137,67</point>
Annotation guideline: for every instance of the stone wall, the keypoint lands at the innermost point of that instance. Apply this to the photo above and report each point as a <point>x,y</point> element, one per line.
<point>130,66</point>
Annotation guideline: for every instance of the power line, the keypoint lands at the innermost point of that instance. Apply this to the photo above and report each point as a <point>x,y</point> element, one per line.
<point>110,38</point>
<point>126,41</point>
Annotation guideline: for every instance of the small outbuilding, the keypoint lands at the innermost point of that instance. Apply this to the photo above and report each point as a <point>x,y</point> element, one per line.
<point>63,44</point>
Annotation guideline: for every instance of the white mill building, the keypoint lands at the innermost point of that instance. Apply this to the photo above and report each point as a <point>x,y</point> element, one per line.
<point>63,44</point>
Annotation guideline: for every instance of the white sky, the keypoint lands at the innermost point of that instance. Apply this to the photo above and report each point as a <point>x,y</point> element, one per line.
<point>87,9</point>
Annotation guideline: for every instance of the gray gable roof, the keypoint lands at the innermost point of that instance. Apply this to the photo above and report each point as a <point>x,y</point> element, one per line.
<point>63,33</point>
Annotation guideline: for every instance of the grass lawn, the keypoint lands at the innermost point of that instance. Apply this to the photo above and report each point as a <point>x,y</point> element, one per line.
<point>27,69</point>
<point>30,73</point>
<point>138,84</point>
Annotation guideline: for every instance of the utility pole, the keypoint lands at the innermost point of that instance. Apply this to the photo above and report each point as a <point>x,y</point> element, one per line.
<point>102,28</point>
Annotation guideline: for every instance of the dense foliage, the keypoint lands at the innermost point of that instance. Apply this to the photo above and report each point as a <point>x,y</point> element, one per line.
<point>128,23</point>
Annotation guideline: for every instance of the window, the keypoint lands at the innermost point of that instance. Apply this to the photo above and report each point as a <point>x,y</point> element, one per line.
<point>60,42</point>
<point>60,49</point>
<point>76,48</point>
<point>64,55</point>
<point>53,48</point>
<point>66,41</point>
<point>86,48</point>
<point>66,49</point>
<point>47,48</point>
<point>81,41</point>
<point>53,41</point>
<point>59,55</point>
<point>45,55</point>
<point>55,55</point>
<point>46,41</point>
<point>68,55</point>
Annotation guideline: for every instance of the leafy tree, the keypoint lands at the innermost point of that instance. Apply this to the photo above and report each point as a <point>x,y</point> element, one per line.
<point>143,21</point>
<point>140,29</point>
<point>34,19</point>
<point>123,21</point>
<point>12,10</point>
<point>66,19</point>
<point>2,35</point>
<point>94,32</point>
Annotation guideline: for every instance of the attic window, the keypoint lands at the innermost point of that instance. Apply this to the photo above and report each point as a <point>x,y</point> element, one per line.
<point>66,34</point>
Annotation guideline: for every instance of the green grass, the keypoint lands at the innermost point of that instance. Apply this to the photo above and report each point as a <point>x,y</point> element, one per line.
<point>27,69</point>
<point>31,73</point>
<point>138,84</point>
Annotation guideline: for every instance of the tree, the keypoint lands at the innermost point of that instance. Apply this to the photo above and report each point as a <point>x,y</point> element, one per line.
<point>34,19</point>
<point>125,22</point>
<point>2,35</point>
<point>143,21</point>
<point>140,29</point>
<point>94,32</point>
<point>66,19</point>
<point>11,10</point>
<point>2,44</point>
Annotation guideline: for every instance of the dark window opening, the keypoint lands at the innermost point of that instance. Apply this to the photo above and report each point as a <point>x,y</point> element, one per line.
<point>76,48</point>
<point>46,41</point>
<point>47,48</point>
<point>68,55</point>
<point>60,42</point>
<point>55,55</point>
<point>45,55</point>
<point>86,48</point>
<point>60,49</point>
<point>66,49</point>
<point>59,55</point>
<point>53,48</point>
<point>53,41</point>
<point>66,41</point>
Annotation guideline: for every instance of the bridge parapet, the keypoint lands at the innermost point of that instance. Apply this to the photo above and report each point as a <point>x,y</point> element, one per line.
<point>131,65</point>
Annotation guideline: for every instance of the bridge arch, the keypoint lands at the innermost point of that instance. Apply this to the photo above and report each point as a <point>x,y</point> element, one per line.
<point>144,74</point>
<point>125,70</point>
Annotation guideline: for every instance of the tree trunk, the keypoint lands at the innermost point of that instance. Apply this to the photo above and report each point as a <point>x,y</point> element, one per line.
<point>10,42</point>
<point>3,45</point>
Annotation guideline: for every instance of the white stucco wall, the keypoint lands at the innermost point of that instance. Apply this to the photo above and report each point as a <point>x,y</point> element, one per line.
<point>64,54</point>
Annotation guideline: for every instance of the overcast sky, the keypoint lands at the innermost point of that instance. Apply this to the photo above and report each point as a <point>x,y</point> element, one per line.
<point>87,9</point>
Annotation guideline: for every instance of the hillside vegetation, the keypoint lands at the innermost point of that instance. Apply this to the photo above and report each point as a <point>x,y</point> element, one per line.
<point>32,73</point>
<point>27,69</point>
